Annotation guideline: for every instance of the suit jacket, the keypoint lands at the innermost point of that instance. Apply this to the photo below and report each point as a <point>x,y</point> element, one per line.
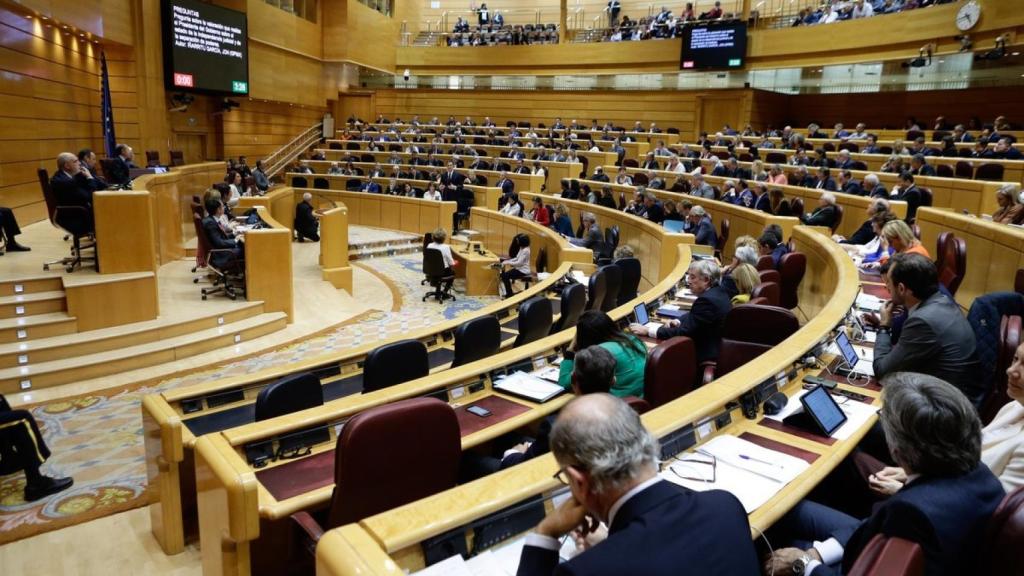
<point>602,177</point>
<point>863,235</point>
<point>219,239</point>
<point>925,170</point>
<point>828,184</point>
<point>822,216</point>
<point>304,219</point>
<point>120,171</point>
<point>656,213</point>
<point>853,187</point>
<point>705,233</point>
<point>703,323</point>
<point>947,517</point>
<point>371,187</point>
<point>879,192</point>
<point>663,530</point>
<point>936,339</point>
<point>912,196</point>
<point>507,186</point>
<point>71,190</point>
<point>456,179</point>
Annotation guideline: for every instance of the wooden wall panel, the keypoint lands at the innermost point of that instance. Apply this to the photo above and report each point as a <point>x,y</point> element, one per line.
<point>49,103</point>
<point>525,11</point>
<point>767,109</point>
<point>257,128</point>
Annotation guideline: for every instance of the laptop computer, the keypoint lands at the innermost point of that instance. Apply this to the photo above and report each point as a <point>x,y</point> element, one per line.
<point>854,361</point>
<point>642,317</point>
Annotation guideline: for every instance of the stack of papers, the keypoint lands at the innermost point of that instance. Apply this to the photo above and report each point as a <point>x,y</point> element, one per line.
<point>751,473</point>
<point>869,302</point>
<point>528,386</point>
<point>580,277</point>
<point>857,413</point>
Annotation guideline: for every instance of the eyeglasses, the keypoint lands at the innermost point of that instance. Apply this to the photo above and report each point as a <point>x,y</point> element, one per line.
<point>695,468</point>
<point>561,476</point>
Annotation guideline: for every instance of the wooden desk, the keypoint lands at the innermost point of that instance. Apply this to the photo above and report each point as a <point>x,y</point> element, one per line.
<point>389,543</point>
<point>268,265</point>
<point>481,278</point>
<point>334,247</point>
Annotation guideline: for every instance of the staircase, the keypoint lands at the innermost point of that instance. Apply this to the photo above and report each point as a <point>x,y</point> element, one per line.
<point>429,38</point>
<point>285,155</point>
<point>40,345</point>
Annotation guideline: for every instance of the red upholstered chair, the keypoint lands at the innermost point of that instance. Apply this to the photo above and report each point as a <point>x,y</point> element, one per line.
<point>1002,554</point>
<point>177,158</point>
<point>953,263</point>
<point>771,276</point>
<point>889,557</point>
<point>859,165</point>
<point>1018,282</point>
<point>792,267</point>
<point>797,206</point>
<point>944,171</point>
<point>670,371</point>
<point>639,405</point>
<point>769,291</point>
<point>765,263</point>
<point>723,238</point>
<point>369,479</point>
<point>839,218</point>
<point>638,178</point>
<point>775,158</point>
<point>749,331</point>
<point>759,301</point>
<point>992,172</point>
<point>1009,339</point>
<point>630,163</point>
<point>964,169</point>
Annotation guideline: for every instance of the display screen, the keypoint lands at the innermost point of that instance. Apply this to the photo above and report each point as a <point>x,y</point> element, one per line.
<point>718,45</point>
<point>206,48</point>
<point>823,408</point>
<point>847,349</point>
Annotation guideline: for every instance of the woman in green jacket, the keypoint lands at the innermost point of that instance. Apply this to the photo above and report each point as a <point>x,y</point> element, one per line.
<point>597,328</point>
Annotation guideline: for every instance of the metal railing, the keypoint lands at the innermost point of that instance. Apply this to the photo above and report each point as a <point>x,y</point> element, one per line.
<point>285,155</point>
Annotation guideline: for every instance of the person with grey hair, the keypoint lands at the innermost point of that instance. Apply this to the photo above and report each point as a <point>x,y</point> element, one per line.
<point>306,225</point>
<point>1010,211</point>
<point>825,214</point>
<point>591,236</point>
<point>865,233</point>
<point>874,188</point>
<point>609,461</point>
<point>71,185</point>
<point>934,435</point>
<point>703,323</point>
<point>700,188</point>
<point>702,227</point>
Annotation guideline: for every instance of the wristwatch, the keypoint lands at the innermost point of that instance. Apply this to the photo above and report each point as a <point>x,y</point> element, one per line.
<point>800,564</point>
<point>884,330</point>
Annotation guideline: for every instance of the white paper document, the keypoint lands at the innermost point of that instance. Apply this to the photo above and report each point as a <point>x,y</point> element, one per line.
<point>857,413</point>
<point>454,566</point>
<point>869,302</point>
<point>528,386</point>
<point>751,473</point>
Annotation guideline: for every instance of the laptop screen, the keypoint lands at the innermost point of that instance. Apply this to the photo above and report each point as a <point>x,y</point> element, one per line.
<point>641,314</point>
<point>846,348</point>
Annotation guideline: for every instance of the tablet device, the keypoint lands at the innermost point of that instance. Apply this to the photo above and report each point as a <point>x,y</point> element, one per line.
<point>823,409</point>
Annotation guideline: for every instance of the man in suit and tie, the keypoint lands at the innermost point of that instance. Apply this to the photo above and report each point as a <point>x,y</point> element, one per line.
<point>71,185</point>
<point>908,192</point>
<point>874,188</point>
<point>306,225</point>
<point>506,184</point>
<point>848,185</point>
<point>825,214</point>
<point>936,339</point>
<point>920,167</point>
<point>370,187</point>
<point>122,165</point>
<point>824,180</point>
<point>520,168</point>
<point>934,435</point>
<point>451,181</point>
<point>609,461</point>
<point>844,162</point>
<point>87,160</point>
<point>220,239</point>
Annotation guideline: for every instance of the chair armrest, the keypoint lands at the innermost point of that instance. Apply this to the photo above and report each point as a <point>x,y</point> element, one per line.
<point>707,368</point>
<point>309,526</point>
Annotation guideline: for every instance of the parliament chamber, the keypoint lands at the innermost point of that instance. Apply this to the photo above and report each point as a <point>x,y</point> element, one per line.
<point>350,287</point>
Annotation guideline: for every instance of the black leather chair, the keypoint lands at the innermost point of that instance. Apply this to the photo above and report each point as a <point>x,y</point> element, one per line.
<point>596,289</point>
<point>574,301</point>
<point>612,285</point>
<point>289,394</point>
<point>437,277</point>
<point>476,339</point>
<point>300,182</point>
<point>535,319</point>
<point>631,273</point>
<point>321,183</point>
<point>395,363</point>
<point>77,221</point>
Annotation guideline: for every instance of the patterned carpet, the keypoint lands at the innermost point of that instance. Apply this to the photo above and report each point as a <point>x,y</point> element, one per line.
<point>97,439</point>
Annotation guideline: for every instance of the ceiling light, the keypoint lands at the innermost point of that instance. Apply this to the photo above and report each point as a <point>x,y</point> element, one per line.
<point>1014,53</point>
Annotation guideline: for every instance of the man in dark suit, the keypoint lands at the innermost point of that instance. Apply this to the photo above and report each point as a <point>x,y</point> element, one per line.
<point>702,227</point>
<point>909,193</point>
<point>936,339</point>
<point>121,167</point>
<point>874,188</point>
<point>824,180</point>
<point>848,185</point>
<point>87,160</point>
<point>944,505</point>
<point>599,175</point>
<point>70,184</point>
<point>506,184</point>
<point>370,187</point>
<point>825,214</point>
<point>653,210</point>
<point>920,167</point>
<point>609,461</point>
<point>703,323</point>
<point>866,233</point>
<point>844,162</point>
<point>22,448</point>
<point>306,220</point>
<point>219,238</point>
<point>451,181</point>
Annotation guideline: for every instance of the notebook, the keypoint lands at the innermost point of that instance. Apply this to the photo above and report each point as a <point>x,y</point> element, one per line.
<point>528,386</point>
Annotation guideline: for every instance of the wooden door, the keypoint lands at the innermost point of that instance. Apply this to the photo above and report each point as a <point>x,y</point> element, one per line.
<point>192,146</point>
<point>358,105</point>
<point>716,111</point>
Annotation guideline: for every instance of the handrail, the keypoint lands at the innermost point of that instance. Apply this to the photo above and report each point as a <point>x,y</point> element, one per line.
<point>280,158</point>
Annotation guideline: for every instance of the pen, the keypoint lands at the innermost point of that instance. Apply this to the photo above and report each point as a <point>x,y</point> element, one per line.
<point>752,459</point>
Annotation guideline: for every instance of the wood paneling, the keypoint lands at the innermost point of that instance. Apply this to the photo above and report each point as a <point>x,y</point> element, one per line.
<point>255,129</point>
<point>526,11</point>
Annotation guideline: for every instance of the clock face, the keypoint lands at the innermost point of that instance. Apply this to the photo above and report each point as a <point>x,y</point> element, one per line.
<point>968,16</point>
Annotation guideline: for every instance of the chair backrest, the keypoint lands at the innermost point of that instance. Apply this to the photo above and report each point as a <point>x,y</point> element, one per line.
<point>889,557</point>
<point>612,286</point>
<point>914,134</point>
<point>631,273</point>
<point>769,291</point>
<point>671,370</point>
<point>796,205</point>
<point>369,479</point>
<point>152,158</point>
<point>1018,281</point>
<point>639,405</point>
<point>321,183</point>
<point>765,262</point>
<point>535,319</point>
<point>944,171</point>
<point>768,325</point>
<point>177,158</point>
<point>300,182</point>
<point>638,178</point>
<point>953,263</point>
<point>51,200</point>
<point>775,158</point>
<point>611,237</point>
<point>289,394</point>
<point>573,303</point>
<point>992,172</point>
<point>792,267</point>
<point>433,264</point>
<point>839,218</point>
<point>859,165</point>
<point>1009,340</point>
<point>202,242</point>
<point>630,163</point>
<point>476,339</point>
<point>734,353</point>
<point>771,275</point>
<point>1005,537</point>
<point>723,236</point>
<point>542,260</point>
<point>395,363</point>
<point>926,196</point>
<point>759,300</point>
<point>964,169</point>
<point>596,289</point>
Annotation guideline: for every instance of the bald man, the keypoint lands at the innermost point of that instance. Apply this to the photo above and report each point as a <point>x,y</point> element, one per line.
<point>306,220</point>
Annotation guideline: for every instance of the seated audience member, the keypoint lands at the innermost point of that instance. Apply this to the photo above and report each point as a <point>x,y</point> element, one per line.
<point>1011,211</point>
<point>653,210</point>
<point>605,197</point>
<point>370,187</point>
<point>120,168</point>
<point>702,227</point>
<point>920,167</point>
<point>439,236</point>
<point>848,185</point>
<point>746,253</point>
<point>22,447</point>
<point>871,147</point>
<point>878,250</point>
<point>1003,150</point>
<point>700,188</point>
<point>539,212</point>
<point>596,328</point>
<point>87,160</point>
<point>432,192</point>
<point>303,168</point>
<point>599,175</point>
<point>892,165</point>
<point>899,236</point>
<point>934,435</point>
<point>824,180</point>
<point>936,338</point>
<point>219,237</point>
<point>771,244</point>
<point>776,175</point>
<point>306,225</point>
<point>671,212</point>
<point>622,178</point>
<point>908,192</point>
<point>512,207</point>
<point>517,265</point>
<point>591,233</point>
<point>71,185</point>
<point>9,228</point>
<point>777,203</point>
<point>335,170</point>
<point>234,180</point>
<point>610,463</point>
<point>260,176</point>
<point>825,214</point>
<point>703,323</point>
<point>745,278</point>
<point>562,223</point>
<point>864,234</point>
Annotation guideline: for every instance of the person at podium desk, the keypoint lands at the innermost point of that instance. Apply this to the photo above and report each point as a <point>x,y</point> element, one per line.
<point>306,225</point>
<point>609,461</point>
<point>219,237</point>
